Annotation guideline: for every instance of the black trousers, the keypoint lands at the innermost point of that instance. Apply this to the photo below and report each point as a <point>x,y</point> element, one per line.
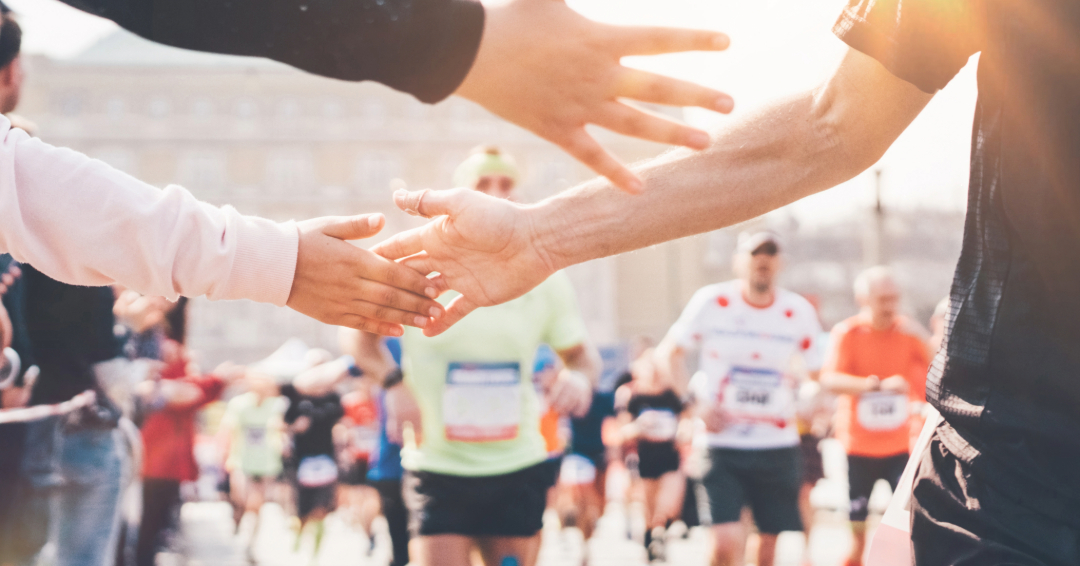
<point>397,517</point>
<point>961,519</point>
<point>160,498</point>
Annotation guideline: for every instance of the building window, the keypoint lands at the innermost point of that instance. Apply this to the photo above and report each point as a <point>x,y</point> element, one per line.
<point>203,173</point>
<point>202,107</point>
<point>375,171</point>
<point>288,108</point>
<point>332,109</point>
<point>374,113</point>
<point>246,108</point>
<point>70,104</point>
<point>290,171</point>
<point>160,107</point>
<point>115,107</point>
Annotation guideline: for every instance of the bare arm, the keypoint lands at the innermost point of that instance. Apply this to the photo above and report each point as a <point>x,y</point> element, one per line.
<point>789,150</point>
<point>842,383</point>
<point>571,392</point>
<point>493,251</point>
<point>671,359</point>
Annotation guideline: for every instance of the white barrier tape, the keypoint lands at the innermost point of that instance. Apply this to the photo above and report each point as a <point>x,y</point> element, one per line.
<point>27,414</point>
<point>891,545</point>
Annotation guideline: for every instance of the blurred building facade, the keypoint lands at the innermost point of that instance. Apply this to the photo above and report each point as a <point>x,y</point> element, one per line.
<point>276,142</point>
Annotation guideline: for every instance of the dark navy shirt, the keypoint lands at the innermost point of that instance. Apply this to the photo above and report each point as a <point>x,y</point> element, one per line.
<point>1007,380</point>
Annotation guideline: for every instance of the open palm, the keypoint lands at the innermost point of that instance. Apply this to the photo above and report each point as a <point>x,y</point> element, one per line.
<point>480,246</point>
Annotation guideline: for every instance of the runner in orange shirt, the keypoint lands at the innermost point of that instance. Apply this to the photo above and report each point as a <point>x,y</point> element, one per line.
<point>877,364</point>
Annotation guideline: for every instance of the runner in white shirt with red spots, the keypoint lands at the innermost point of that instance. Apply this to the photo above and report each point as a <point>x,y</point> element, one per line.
<point>756,342</point>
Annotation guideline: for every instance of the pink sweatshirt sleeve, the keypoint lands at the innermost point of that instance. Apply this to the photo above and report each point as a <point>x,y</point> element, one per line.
<point>82,222</point>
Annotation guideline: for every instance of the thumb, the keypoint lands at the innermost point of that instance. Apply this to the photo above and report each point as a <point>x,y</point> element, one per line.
<point>428,203</point>
<point>353,227</point>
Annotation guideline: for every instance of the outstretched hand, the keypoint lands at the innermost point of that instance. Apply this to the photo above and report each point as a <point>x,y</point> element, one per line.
<point>341,284</point>
<point>481,246</point>
<point>546,68</point>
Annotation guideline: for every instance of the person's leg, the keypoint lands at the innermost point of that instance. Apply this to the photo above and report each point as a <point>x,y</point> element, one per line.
<point>773,492</point>
<point>89,505</point>
<point>862,474</point>
<point>397,519</point>
<point>158,498</point>
<point>726,497</point>
<point>728,544</point>
<point>496,550</point>
<point>649,488</point>
<point>442,550</point>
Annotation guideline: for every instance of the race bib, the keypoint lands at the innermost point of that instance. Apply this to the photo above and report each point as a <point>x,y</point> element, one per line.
<point>317,471</point>
<point>482,401</point>
<point>658,425</point>
<point>759,395</point>
<point>882,410</point>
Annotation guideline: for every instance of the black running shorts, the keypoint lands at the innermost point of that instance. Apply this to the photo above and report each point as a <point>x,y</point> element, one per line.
<point>507,505</point>
<point>765,480</point>
<point>863,473</point>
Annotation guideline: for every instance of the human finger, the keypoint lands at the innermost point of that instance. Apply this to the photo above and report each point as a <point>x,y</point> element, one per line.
<point>428,203</point>
<point>383,313</point>
<point>588,151</point>
<point>455,311</point>
<point>402,244</point>
<point>377,268</point>
<point>368,325</point>
<point>353,227</point>
<point>658,89</point>
<point>420,263</point>
<point>624,119</point>
<point>649,40</point>
<point>381,294</point>
<point>7,279</point>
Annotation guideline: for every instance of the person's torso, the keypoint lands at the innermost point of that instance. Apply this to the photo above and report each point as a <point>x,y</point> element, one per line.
<point>747,360</point>
<point>656,415</point>
<point>473,384</point>
<point>876,424</point>
<point>1010,369</point>
<point>362,419</point>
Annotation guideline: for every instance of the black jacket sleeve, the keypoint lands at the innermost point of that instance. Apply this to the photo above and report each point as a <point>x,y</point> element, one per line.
<point>422,47</point>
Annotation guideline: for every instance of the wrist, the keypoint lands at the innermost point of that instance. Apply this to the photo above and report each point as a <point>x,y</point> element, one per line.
<point>561,227</point>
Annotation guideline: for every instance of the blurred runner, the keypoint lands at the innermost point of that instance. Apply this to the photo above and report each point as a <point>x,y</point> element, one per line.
<point>171,404</point>
<point>649,409</point>
<point>253,429</point>
<point>478,477</point>
<point>877,363</point>
<point>583,476</point>
<point>310,420</point>
<point>750,333</point>
<point>359,432</point>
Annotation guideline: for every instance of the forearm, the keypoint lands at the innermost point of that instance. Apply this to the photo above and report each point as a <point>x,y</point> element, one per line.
<point>423,47</point>
<point>672,362</point>
<point>842,383</point>
<point>758,164</point>
<point>764,160</point>
<point>584,359</point>
<point>82,222</point>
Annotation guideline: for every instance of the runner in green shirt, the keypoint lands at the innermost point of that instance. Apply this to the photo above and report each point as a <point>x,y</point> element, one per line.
<point>478,474</point>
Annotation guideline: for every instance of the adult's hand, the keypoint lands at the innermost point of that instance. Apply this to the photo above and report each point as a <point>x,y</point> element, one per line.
<point>545,67</point>
<point>481,246</point>
<point>570,394</point>
<point>338,283</point>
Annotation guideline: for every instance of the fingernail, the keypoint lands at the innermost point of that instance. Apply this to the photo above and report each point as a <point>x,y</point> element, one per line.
<point>432,292</point>
<point>373,221</point>
<point>420,321</point>
<point>698,139</point>
<point>725,104</point>
<point>635,185</point>
<point>435,312</point>
<point>721,41</point>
